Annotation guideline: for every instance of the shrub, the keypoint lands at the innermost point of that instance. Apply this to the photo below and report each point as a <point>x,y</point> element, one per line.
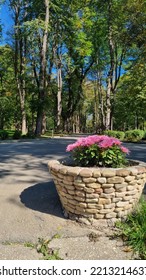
<point>4,135</point>
<point>17,134</point>
<point>133,230</point>
<point>113,133</point>
<point>134,135</point>
<point>98,150</point>
<point>30,134</point>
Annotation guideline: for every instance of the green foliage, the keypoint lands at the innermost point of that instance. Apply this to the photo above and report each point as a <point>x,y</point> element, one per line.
<point>94,156</point>
<point>117,134</point>
<point>134,135</point>
<point>4,135</point>
<point>133,230</point>
<point>113,157</point>
<point>17,134</point>
<point>44,248</point>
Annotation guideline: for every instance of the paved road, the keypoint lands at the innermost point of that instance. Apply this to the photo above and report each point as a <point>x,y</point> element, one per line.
<point>30,208</point>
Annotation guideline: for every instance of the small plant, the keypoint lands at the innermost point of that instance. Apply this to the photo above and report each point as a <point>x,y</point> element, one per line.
<point>29,245</point>
<point>17,134</point>
<point>4,135</point>
<point>133,230</point>
<point>98,150</point>
<point>47,252</point>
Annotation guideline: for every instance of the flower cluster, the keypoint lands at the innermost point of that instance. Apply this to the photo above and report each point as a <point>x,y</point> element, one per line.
<point>98,150</point>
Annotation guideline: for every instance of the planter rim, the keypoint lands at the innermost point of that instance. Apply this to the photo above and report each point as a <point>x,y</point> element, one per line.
<point>58,165</point>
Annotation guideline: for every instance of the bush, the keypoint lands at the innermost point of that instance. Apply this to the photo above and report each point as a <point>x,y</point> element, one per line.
<point>17,134</point>
<point>133,230</point>
<point>98,150</point>
<point>30,134</point>
<point>117,134</point>
<point>134,135</point>
<point>4,135</point>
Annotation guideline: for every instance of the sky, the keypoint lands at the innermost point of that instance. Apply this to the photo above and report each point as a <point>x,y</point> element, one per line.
<point>6,21</point>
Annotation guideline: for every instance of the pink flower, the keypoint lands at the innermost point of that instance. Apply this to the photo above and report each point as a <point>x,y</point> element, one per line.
<point>102,141</point>
<point>124,150</point>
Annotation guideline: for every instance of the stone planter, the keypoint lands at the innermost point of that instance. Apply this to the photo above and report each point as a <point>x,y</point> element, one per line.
<point>98,193</point>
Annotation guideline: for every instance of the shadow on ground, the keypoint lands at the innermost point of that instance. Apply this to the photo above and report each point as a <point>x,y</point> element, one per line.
<point>42,197</point>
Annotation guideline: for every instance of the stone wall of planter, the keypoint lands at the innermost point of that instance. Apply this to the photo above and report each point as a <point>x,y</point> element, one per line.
<point>98,193</point>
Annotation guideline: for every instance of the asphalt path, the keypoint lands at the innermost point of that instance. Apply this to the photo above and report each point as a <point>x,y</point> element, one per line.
<point>30,207</point>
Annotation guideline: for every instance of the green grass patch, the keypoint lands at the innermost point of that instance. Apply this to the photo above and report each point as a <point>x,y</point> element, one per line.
<point>133,230</point>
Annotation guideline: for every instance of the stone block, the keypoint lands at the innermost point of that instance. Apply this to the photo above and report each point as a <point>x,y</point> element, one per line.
<point>140,181</point>
<point>71,192</point>
<point>72,201</point>
<point>92,210</point>
<point>93,185</point>
<point>63,170</point>
<point>88,190</point>
<point>103,201</point>
<point>117,210</point>
<point>69,196</point>
<point>108,172</point>
<point>78,198</point>
<point>106,211</point>
<point>129,178</point>
<point>107,195</point>
<point>122,203</point>
<point>64,200</point>
<point>80,185</point>
<point>107,185</point>
<point>130,188</point>
<point>99,216</point>
<point>121,186</point>
<point>86,172</point>
<point>96,173</point>
<point>98,191</point>
<point>80,209</point>
<point>121,190</point>
<point>140,176</point>
<point>141,169</point>
<point>108,206</point>
<point>120,194</point>
<point>69,187</point>
<point>78,179</point>
<point>111,215</point>
<point>91,200</point>
<point>122,214</point>
<point>82,205</point>
<point>89,180</point>
<point>70,209</point>
<point>92,195</point>
<point>127,198</point>
<point>81,194</point>
<point>101,180</point>
<point>122,172</point>
<point>108,190</point>
<point>74,171</point>
<point>92,205</point>
<point>116,199</point>
<point>115,180</point>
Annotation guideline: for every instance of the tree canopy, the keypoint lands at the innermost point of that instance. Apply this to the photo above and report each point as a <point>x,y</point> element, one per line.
<point>74,66</point>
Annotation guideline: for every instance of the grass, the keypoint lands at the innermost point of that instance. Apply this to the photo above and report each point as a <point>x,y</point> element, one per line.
<point>133,230</point>
<point>43,247</point>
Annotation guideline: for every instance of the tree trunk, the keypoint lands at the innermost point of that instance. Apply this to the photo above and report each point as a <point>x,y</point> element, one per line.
<point>111,70</point>
<point>40,122</point>
<point>19,64</point>
<point>59,99</point>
